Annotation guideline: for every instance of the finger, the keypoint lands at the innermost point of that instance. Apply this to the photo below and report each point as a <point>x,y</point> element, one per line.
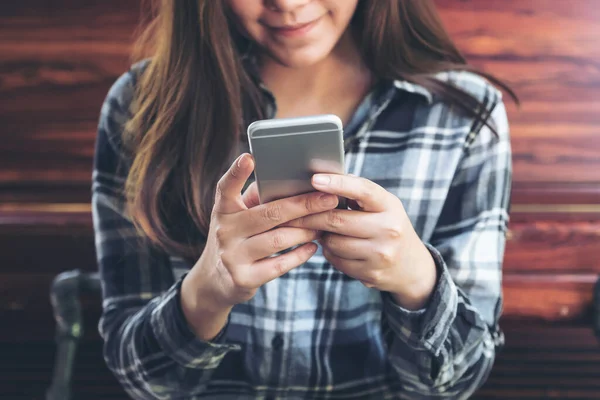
<point>276,240</point>
<point>339,252</point>
<point>270,268</point>
<point>250,196</point>
<point>352,268</point>
<point>266,216</point>
<point>354,223</point>
<point>347,247</point>
<point>368,195</point>
<point>228,199</point>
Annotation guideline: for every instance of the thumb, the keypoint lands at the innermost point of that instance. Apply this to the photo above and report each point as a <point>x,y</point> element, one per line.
<point>250,196</point>
<point>228,197</point>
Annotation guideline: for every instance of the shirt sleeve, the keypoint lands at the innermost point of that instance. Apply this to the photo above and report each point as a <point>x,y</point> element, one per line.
<point>447,349</point>
<point>148,344</point>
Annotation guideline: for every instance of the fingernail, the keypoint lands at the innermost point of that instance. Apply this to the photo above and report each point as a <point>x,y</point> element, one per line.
<point>328,199</point>
<point>241,161</point>
<point>321,180</point>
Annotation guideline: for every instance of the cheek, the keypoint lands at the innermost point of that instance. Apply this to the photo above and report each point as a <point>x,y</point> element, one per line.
<point>343,10</point>
<point>244,7</point>
<point>246,13</point>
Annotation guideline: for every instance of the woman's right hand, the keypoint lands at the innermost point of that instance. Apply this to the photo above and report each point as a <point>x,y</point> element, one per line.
<point>242,236</point>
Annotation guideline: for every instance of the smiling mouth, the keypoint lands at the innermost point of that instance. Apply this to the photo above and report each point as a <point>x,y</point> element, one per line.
<point>294,30</point>
<point>292,27</point>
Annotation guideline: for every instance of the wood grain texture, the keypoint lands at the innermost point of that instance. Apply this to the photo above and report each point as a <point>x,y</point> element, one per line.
<point>59,59</point>
<point>547,52</point>
<point>550,267</point>
<point>552,298</point>
<point>548,247</point>
<point>543,363</point>
<point>30,235</point>
<point>561,299</point>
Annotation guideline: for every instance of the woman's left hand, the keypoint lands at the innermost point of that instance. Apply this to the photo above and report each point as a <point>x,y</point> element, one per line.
<point>374,242</point>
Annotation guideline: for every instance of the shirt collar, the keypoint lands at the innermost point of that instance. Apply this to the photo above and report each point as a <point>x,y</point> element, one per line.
<point>414,88</point>
<point>251,64</point>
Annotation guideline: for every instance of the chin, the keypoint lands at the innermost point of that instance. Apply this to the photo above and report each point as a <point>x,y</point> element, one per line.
<point>299,62</point>
<point>302,58</point>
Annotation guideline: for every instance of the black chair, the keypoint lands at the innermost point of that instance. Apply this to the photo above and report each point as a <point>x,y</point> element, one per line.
<point>65,295</point>
<point>596,309</point>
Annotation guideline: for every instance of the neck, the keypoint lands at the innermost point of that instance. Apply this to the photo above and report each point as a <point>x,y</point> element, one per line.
<point>334,85</point>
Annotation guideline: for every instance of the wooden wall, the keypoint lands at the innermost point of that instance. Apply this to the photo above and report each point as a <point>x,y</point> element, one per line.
<point>59,57</point>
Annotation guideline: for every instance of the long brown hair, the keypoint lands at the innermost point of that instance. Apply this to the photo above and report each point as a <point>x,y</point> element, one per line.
<point>195,97</point>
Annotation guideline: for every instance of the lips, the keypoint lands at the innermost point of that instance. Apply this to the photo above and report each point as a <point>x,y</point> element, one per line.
<point>291,27</point>
<point>293,30</point>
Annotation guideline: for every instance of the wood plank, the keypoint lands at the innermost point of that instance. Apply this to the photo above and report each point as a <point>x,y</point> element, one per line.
<point>556,298</point>
<point>53,82</point>
<point>545,361</point>
<point>549,247</point>
<point>32,234</point>
<point>550,90</point>
<point>55,8</point>
<point>555,193</point>
<point>557,157</point>
<point>47,192</point>
<point>565,299</point>
<point>554,72</point>
<point>498,27</point>
<point>37,218</point>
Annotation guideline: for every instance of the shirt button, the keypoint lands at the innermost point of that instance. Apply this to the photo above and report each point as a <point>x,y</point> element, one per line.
<point>277,342</point>
<point>429,334</point>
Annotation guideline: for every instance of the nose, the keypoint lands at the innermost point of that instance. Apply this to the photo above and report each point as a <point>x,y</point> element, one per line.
<point>285,5</point>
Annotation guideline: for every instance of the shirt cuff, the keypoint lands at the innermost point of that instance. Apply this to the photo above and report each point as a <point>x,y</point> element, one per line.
<point>176,338</point>
<point>426,328</point>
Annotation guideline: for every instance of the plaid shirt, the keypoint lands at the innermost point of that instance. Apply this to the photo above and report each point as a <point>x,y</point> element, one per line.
<point>315,332</point>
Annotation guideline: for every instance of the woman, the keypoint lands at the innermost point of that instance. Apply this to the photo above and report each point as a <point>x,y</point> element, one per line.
<point>402,297</point>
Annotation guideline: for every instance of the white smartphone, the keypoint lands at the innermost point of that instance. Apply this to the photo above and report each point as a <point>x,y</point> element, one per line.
<point>289,151</point>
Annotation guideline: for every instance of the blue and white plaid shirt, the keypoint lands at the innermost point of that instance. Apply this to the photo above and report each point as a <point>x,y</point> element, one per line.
<point>316,333</point>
